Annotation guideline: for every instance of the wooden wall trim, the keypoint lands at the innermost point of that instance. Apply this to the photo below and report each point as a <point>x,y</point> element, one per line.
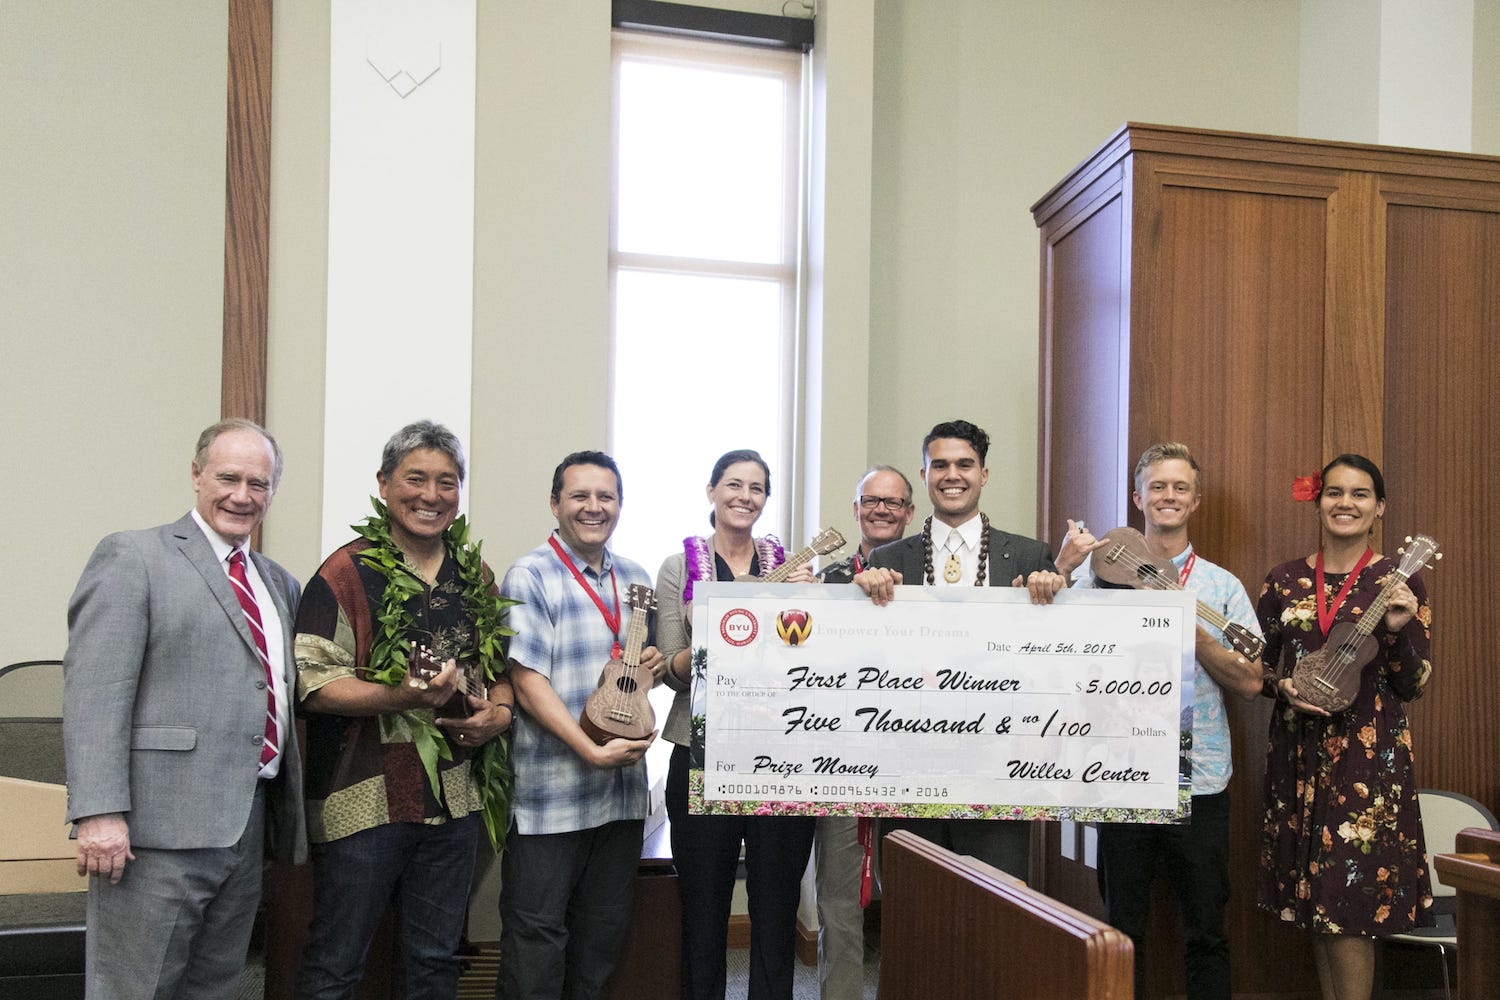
<point>1354,323</point>
<point>247,211</point>
<point>1294,151</point>
<point>1281,306</point>
<point>1180,141</point>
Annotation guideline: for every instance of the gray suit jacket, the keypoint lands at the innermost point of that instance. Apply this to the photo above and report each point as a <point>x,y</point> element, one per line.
<point>1010,556</point>
<point>164,695</point>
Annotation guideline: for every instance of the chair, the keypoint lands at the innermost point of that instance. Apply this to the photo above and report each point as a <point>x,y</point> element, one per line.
<point>42,899</point>
<point>1443,815</point>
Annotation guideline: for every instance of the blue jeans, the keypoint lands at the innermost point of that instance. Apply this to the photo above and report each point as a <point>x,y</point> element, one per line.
<point>425,870</point>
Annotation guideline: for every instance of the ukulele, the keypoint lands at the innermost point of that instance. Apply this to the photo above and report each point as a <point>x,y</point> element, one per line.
<point>1129,562</point>
<point>620,708</point>
<point>423,665</point>
<point>1329,677</point>
<point>828,540</point>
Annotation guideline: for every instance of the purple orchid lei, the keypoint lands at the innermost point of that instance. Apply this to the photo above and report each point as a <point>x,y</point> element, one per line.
<point>699,555</point>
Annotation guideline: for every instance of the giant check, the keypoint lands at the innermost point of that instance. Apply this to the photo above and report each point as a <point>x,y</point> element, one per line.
<point>949,701</point>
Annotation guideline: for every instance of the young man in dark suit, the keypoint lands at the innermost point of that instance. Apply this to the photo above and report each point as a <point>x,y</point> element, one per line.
<point>958,547</point>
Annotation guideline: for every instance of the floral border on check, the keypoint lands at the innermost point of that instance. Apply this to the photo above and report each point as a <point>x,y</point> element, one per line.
<point>697,805</point>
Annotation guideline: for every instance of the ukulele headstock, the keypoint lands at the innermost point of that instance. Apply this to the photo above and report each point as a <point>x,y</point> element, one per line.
<point>422,665</point>
<point>641,597</point>
<point>1243,641</point>
<point>1418,553</point>
<point>826,541</point>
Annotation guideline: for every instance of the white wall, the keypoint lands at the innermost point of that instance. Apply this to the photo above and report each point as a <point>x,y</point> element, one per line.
<point>298,279</point>
<point>541,232</point>
<point>837,354</point>
<point>111,279</point>
<point>980,107</point>
<point>1487,77</point>
<point>1427,74</point>
<point>1395,72</point>
<point>1340,57</point>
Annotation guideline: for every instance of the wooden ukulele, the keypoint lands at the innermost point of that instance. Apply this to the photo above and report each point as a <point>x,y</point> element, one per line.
<point>423,665</point>
<point>828,540</point>
<point>1329,677</point>
<point>620,708</point>
<point>1129,562</point>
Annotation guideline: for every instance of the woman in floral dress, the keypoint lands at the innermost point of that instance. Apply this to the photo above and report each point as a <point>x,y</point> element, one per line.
<point>1342,855</point>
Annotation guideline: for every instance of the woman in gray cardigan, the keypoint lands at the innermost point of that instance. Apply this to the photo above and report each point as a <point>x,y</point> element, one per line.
<point>706,849</point>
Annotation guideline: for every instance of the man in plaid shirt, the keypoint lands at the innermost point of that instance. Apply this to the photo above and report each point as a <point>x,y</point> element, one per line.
<point>579,807</point>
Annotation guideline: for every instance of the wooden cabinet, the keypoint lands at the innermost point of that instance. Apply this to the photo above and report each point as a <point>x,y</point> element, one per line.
<point>1274,302</point>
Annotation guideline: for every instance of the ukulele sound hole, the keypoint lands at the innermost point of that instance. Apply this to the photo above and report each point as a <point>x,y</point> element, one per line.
<point>1148,573</point>
<point>626,684</point>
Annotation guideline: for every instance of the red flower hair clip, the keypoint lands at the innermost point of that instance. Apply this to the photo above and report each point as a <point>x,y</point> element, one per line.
<point>1307,487</point>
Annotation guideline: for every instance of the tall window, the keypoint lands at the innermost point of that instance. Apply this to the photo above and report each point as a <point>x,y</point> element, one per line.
<point>705,241</point>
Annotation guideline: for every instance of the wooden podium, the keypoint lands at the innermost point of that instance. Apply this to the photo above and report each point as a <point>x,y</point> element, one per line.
<point>956,928</point>
<point>1474,870</point>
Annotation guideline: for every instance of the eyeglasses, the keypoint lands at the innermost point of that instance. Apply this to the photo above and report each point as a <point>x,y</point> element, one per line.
<point>889,503</point>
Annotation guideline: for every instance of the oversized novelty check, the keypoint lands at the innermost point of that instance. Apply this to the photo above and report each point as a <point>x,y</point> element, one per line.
<point>949,701</point>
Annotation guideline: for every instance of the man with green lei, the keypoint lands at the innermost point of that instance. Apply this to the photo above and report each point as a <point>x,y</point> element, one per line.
<point>401,678</point>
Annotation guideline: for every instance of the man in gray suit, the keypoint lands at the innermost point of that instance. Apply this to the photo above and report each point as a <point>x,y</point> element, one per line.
<point>182,760</point>
<point>957,547</point>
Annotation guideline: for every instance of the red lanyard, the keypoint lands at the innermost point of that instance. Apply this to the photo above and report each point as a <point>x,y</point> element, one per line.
<point>857,564</point>
<point>611,620</point>
<point>1325,615</point>
<point>1187,569</point>
<point>866,828</point>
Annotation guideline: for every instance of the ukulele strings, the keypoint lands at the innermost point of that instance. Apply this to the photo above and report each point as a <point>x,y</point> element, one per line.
<point>634,634</point>
<point>1339,660</point>
<point>1344,656</point>
<point>1152,576</point>
<point>780,573</point>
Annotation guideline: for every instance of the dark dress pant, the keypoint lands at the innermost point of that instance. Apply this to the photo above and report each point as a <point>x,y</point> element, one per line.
<point>565,902</point>
<point>1194,859</point>
<point>706,853</point>
<point>178,922</point>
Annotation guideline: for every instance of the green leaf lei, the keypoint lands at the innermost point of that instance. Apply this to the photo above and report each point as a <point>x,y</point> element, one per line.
<point>391,651</point>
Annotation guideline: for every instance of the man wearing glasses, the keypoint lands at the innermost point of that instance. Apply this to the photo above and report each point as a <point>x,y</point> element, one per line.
<point>883,510</point>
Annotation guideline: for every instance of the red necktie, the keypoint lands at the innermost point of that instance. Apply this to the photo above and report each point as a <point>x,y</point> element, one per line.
<point>271,747</point>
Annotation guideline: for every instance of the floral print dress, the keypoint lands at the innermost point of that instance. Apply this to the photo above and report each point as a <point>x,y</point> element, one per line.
<point>1342,851</point>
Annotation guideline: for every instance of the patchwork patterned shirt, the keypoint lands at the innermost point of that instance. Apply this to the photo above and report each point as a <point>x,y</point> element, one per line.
<point>364,771</point>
